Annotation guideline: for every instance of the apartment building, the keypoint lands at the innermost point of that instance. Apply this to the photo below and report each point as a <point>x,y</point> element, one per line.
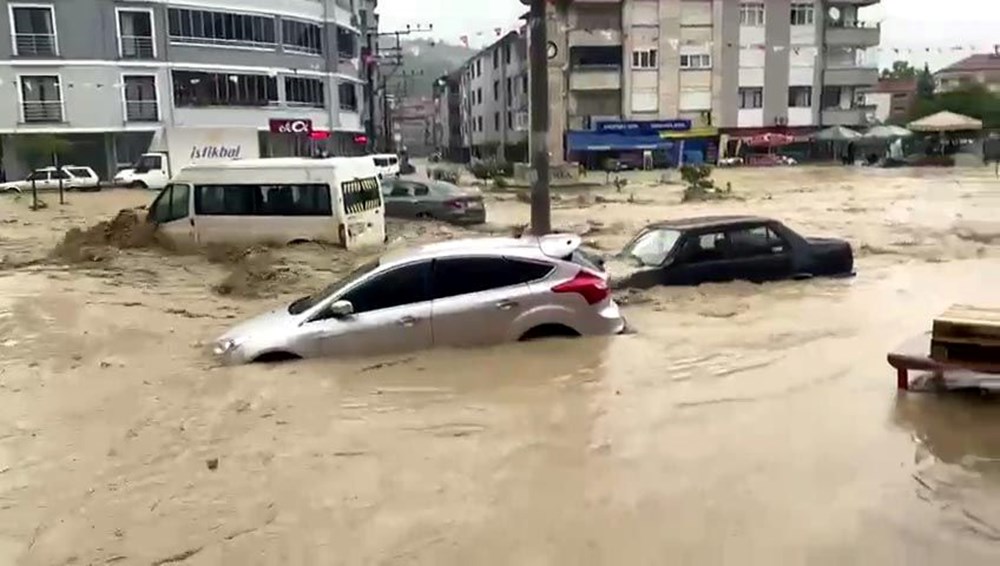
<point>698,68</point>
<point>979,69</point>
<point>106,74</point>
<point>447,127</point>
<point>493,100</point>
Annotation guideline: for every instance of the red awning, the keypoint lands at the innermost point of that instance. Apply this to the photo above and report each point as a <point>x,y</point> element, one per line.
<point>769,139</point>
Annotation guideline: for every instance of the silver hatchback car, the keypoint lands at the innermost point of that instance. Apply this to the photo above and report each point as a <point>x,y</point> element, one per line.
<point>460,293</point>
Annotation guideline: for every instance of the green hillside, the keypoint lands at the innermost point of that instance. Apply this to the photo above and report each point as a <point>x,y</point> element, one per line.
<point>423,62</point>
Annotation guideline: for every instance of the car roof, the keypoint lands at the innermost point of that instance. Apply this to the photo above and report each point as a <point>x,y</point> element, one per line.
<point>551,246</point>
<point>698,222</point>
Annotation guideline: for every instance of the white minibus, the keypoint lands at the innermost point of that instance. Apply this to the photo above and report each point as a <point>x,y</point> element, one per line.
<point>280,200</point>
<point>387,165</point>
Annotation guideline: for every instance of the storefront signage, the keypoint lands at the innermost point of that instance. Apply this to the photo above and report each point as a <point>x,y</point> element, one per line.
<point>645,127</point>
<point>285,126</point>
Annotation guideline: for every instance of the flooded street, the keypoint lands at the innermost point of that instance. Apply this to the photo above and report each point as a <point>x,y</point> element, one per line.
<point>741,424</point>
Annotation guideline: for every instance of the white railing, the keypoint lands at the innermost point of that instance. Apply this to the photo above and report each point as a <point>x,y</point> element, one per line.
<point>43,111</point>
<point>137,47</point>
<point>141,111</point>
<point>35,43</point>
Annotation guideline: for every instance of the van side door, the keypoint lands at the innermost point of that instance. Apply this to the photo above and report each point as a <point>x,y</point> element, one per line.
<point>172,213</point>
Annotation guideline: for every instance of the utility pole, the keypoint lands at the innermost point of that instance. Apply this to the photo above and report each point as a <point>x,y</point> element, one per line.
<point>541,207</point>
<point>389,58</point>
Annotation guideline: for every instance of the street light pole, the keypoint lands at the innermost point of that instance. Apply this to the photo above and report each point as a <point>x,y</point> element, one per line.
<point>541,212</point>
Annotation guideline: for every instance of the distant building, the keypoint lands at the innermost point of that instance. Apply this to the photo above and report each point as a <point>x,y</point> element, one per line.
<point>493,100</point>
<point>413,120</point>
<point>892,99</point>
<point>447,129</point>
<point>982,68</point>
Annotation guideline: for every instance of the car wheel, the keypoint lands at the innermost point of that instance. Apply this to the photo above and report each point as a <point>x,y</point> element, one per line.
<point>802,276</point>
<point>137,185</point>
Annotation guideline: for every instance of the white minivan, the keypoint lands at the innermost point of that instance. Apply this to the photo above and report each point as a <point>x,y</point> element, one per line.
<point>280,200</point>
<point>387,165</point>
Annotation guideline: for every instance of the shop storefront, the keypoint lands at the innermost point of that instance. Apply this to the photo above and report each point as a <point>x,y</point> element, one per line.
<point>643,144</point>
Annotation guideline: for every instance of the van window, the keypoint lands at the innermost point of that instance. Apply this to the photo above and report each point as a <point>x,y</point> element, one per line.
<point>149,163</point>
<point>393,161</point>
<point>381,162</point>
<point>172,204</point>
<point>361,195</point>
<point>263,200</point>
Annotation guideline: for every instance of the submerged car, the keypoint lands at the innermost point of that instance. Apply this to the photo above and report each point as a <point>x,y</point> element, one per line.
<point>436,200</point>
<point>460,293</point>
<point>692,251</point>
<point>73,177</point>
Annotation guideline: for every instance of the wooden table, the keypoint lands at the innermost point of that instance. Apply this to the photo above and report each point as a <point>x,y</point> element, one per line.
<point>914,354</point>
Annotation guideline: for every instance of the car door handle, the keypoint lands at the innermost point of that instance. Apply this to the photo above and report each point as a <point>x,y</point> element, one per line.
<point>506,305</point>
<point>407,321</point>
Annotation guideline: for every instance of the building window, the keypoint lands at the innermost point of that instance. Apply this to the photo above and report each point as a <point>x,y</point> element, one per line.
<point>301,91</point>
<point>141,100</point>
<point>479,96</point>
<point>220,28</point>
<point>479,123</point>
<point>644,59</point>
<point>510,89</point>
<point>496,90</point>
<point>479,67</point>
<point>506,53</point>
<point>301,37</point>
<point>347,43</point>
<point>348,93</point>
<point>750,98</point>
<point>525,79</point>
<point>496,58</point>
<point>510,120</point>
<point>199,89</point>
<point>800,97</point>
<point>802,14</point>
<point>34,30</point>
<point>703,61</point>
<point>41,98</point>
<point>135,34</point>
<point>496,121</point>
<point>752,14</point>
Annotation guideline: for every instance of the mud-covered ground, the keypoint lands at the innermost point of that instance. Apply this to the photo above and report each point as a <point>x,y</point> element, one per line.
<point>741,424</point>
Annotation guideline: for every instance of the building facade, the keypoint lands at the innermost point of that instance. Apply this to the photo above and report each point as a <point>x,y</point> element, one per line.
<point>413,120</point>
<point>447,96</point>
<point>979,69</point>
<point>732,65</point>
<point>106,74</point>
<point>493,100</point>
<point>892,100</point>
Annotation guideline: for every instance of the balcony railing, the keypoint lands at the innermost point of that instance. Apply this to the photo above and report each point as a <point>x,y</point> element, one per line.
<point>137,47</point>
<point>35,43</point>
<point>142,111</point>
<point>853,34</point>
<point>595,77</point>
<point>43,111</point>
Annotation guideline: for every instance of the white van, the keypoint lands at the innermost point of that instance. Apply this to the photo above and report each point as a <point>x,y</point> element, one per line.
<point>387,164</point>
<point>280,200</point>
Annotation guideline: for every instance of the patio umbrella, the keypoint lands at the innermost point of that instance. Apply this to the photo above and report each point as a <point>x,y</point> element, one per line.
<point>887,132</point>
<point>837,133</point>
<point>945,121</point>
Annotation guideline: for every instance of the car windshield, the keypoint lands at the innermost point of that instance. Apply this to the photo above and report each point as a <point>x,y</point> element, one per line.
<point>305,303</point>
<point>652,248</point>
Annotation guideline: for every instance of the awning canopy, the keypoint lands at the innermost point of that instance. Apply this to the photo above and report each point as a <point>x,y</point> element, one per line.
<point>945,121</point>
<point>770,139</point>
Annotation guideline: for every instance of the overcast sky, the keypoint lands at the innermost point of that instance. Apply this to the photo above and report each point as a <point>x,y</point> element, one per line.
<point>909,25</point>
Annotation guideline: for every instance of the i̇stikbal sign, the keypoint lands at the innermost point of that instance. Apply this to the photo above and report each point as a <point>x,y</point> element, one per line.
<point>288,126</point>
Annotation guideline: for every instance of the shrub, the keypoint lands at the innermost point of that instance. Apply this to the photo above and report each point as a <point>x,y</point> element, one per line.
<point>700,185</point>
<point>446,175</point>
<point>491,169</point>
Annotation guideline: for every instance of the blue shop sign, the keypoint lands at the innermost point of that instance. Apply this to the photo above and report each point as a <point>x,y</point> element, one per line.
<point>648,126</point>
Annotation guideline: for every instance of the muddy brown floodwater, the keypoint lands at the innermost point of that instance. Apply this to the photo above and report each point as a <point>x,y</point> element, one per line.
<point>742,424</point>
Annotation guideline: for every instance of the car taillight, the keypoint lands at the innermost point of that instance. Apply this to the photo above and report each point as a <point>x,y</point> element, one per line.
<point>592,288</point>
<point>454,204</point>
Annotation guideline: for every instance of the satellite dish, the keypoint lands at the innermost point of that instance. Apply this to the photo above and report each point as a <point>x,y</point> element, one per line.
<point>834,13</point>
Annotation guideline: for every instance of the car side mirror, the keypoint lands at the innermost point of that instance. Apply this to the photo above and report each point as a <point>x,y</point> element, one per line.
<point>340,309</point>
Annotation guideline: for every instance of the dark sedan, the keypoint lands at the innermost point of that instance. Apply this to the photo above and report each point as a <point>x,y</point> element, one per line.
<point>432,200</point>
<point>692,251</point>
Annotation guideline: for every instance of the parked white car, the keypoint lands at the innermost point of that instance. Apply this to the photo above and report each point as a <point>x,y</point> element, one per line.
<point>74,178</point>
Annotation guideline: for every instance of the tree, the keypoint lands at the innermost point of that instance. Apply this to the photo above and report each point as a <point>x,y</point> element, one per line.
<point>975,101</point>
<point>900,70</point>
<point>40,150</point>
<point>925,84</point>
